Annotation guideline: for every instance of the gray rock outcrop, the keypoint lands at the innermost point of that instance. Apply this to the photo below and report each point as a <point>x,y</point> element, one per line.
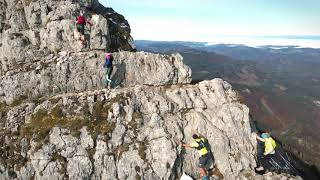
<point>31,30</point>
<point>131,133</point>
<point>83,71</point>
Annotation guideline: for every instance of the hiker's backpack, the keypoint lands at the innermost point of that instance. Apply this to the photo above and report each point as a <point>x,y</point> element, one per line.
<point>203,143</point>
<point>270,144</point>
<point>81,20</point>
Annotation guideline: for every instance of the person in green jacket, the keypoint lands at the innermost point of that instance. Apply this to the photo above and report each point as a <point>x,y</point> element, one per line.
<point>201,145</point>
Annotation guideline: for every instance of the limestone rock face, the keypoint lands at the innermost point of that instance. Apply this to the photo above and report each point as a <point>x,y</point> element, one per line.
<point>131,133</point>
<point>83,71</point>
<point>32,29</point>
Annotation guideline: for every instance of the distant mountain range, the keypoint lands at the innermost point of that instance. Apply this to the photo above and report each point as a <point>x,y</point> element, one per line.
<point>280,84</point>
<point>238,51</point>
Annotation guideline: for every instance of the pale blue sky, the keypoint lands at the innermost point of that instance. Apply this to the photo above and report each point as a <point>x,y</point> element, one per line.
<point>201,20</point>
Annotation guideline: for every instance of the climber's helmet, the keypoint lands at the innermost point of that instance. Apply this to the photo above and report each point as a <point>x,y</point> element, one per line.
<point>194,136</point>
<point>265,135</point>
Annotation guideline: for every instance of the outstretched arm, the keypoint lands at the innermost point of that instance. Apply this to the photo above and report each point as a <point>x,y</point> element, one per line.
<point>89,22</point>
<point>186,145</point>
<point>191,145</point>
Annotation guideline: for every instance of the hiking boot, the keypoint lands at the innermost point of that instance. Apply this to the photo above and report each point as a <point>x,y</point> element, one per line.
<point>259,168</point>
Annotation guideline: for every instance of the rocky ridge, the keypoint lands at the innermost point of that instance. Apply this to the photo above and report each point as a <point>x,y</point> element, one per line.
<point>32,30</point>
<point>82,71</point>
<point>59,122</point>
<point>128,133</point>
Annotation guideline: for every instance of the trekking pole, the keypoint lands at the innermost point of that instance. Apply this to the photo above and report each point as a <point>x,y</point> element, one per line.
<point>275,164</point>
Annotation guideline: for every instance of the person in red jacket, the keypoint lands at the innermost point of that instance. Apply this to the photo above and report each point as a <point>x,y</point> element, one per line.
<point>81,22</point>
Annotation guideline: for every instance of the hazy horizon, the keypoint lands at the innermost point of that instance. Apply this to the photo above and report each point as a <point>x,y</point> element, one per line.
<point>256,41</point>
<point>253,23</point>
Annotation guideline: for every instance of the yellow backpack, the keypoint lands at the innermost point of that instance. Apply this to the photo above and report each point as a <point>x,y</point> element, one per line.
<point>270,145</point>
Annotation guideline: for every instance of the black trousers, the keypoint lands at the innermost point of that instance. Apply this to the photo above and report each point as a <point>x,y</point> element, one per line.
<point>204,160</point>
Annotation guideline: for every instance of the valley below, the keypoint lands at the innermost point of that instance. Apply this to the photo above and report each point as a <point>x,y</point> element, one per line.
<point>280,85</point>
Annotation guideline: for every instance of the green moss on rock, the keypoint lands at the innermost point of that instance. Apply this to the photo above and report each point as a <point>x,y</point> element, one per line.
<point>142,150</point>
<point>19,100</point>
<point>120,150</point>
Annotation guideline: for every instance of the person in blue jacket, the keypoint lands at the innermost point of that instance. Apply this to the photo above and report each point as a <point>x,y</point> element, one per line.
<point>108,68</point>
